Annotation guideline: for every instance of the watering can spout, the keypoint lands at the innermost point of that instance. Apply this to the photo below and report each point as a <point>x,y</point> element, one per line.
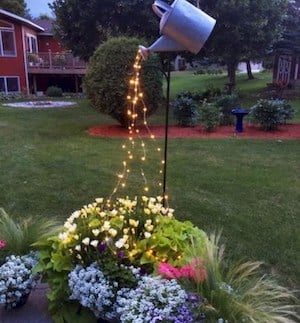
<point>162,44</point>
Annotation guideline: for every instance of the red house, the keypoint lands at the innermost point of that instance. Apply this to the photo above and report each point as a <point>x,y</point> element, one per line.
<point>31,59</point>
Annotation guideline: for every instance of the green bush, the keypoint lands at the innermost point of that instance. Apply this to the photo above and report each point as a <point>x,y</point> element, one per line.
<point>271,113</point>
<point>54,91</point>
<point>209,116</point>
<point>185,110</point>
<point>107,79</point>
<point>226,103</point>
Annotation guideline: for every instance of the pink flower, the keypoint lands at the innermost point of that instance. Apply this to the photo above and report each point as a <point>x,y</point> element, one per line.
<point>188,271</point>
<point>194,271</point>
<point>168,271</point>
<point>2,244</point>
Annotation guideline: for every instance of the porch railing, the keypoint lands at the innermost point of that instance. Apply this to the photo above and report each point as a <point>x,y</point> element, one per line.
<point>52,60</point>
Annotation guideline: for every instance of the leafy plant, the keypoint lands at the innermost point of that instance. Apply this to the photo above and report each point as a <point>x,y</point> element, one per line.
<point>226,103</point>
<point>271,113</point>
<point>107,79</point>
<point>54,91</point>
<point>209,116</point>
<point>185,110</point>
<point>19,234</point>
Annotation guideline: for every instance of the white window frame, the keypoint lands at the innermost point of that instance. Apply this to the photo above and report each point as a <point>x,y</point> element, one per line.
<point>5,83</point>
<point>29,38</point>
<point>10,29</point>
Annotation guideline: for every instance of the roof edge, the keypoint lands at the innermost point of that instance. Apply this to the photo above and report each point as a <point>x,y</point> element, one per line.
<point>20,19</point>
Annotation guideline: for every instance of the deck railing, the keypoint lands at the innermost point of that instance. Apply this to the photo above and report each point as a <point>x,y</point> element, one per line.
<point>52,60</point>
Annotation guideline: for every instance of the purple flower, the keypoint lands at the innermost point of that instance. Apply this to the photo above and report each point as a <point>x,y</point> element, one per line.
<point>102,246</point>
<point>120,254</point>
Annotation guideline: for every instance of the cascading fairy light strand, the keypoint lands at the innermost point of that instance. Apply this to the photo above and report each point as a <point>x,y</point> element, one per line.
<point>136,106</point>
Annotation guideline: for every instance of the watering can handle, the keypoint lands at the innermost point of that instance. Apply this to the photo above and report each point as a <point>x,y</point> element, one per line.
<point>161,4</point>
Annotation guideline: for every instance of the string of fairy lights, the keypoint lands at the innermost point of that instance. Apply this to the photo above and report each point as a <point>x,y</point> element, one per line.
<point>135,146</point>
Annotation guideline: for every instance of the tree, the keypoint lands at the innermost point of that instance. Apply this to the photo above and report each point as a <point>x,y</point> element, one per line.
<point>83,25</point>
<point>290,40</point>
<point>17,7</point>
<point>244,29</point>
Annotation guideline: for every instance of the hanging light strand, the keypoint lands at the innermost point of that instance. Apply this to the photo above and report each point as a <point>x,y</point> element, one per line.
<point>136,106</point>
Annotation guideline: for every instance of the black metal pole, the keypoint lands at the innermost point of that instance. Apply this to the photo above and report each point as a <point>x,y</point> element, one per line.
<point>168,78</point>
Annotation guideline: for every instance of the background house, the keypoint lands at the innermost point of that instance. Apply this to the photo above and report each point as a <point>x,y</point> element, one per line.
<point>31,59</point>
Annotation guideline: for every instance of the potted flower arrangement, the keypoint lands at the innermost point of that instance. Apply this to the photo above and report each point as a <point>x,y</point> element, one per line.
<point>130,260</point>
<point>111,249</point>
<point>17,279</point>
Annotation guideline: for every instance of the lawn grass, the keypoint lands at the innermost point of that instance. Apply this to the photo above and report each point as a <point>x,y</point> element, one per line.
<point>247,188</point>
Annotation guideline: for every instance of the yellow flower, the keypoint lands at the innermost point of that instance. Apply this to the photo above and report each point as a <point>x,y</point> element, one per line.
<point>106,226</point>
<point>112,232</point>
<point>149,227</point>
<point>134,223</point>
<point>147,211</point>
<point>102,214</point>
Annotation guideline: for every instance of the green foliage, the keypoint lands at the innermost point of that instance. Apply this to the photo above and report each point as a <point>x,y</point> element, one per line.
<point>226,103</point>
<point>244,29</point>
<point>17,7</point>
<point>185,110</point>
<point>20,233</point>
<point>54,91</point>
<point>271,113</point>
<point>241,292</point>
<point>132,18</point>
<point>209,116</point>
<point>108,75</point>
<point>171,241</point>
<point>55,262</point>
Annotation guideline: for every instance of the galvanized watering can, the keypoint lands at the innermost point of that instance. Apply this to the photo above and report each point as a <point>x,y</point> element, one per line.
<point>183,27</point>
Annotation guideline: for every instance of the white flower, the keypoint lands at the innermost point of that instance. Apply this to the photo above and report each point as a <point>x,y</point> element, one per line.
<point>86,241</point>
<point>78,247</point>
<point>147,235</point>
<point>96,232</point>
<point>94,243</point>
<point>120,243</point>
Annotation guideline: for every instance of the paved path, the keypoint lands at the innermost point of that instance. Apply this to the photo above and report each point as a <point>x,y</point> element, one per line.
<point>34,311</point>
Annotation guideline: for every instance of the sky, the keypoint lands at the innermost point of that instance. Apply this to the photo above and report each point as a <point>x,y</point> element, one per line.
<point>38,7</point>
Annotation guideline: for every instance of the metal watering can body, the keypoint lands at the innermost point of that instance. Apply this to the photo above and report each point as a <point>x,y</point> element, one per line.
<point>182,25</point>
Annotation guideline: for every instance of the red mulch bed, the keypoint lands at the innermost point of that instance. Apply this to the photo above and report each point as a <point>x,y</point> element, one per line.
<point>288,131</point>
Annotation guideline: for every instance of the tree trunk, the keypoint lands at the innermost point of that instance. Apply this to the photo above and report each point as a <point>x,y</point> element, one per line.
<point>249,71</point>
<point>231,76</point>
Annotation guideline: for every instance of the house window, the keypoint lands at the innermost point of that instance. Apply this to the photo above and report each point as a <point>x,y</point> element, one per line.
<point>7,39</point>
<point>31,44</point>
<point>9,84</point>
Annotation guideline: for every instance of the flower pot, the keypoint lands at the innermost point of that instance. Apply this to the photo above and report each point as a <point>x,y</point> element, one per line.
<point>17,304</point>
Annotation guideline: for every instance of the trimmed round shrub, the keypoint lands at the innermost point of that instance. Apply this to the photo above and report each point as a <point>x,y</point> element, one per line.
<point>271,113</point>
<point>54,91</point>
<point>185,110</point>
<point>109,71</point>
